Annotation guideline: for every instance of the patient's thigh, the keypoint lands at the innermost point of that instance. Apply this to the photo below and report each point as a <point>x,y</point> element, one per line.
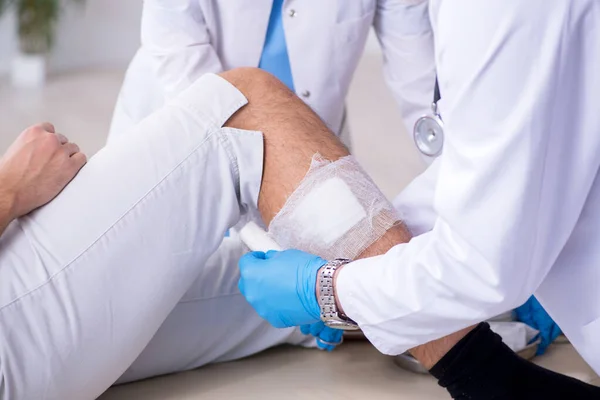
<point>212,323</point>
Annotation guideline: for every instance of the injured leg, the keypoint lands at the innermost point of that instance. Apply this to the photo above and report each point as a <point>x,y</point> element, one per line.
<point>309,178</point>
<point>227,315</point>
<point>296,142</point>
<point>293,136</point>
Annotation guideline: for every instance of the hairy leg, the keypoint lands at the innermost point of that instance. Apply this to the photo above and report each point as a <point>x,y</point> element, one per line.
<point>293,134</point>
<point>472,363</point>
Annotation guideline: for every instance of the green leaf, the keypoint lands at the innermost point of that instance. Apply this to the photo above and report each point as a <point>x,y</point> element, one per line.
<point>37,21</point>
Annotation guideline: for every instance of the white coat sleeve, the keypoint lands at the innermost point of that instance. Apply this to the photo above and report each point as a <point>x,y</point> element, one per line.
<point>404,32</point>
<point>511,183</point>
<point>174,33</point>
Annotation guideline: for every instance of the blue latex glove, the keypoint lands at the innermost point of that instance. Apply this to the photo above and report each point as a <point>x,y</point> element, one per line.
<point>327,338</point>
<point>533,314</point>
<point>281,286</point>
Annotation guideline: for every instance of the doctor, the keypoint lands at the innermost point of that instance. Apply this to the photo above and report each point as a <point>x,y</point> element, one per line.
<point>312,46</point>
<point>509,209</point>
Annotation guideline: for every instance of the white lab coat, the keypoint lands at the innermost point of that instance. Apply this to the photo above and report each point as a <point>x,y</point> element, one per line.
<point>184,39</point>
<point>512,205</point>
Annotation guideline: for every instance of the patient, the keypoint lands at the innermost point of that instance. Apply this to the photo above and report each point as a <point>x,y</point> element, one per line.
<point>117,278</point>
<point>114,279</point>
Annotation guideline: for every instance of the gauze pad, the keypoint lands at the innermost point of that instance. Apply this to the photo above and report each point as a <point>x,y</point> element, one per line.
<point>336,211</point>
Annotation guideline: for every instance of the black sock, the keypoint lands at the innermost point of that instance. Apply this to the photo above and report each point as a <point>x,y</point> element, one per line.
<point>482,367</point>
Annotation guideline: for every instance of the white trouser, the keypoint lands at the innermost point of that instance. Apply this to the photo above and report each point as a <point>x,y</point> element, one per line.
<point>112,277</point>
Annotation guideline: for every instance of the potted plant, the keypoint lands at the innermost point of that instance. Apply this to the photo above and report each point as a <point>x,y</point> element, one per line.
<point>36,24</point>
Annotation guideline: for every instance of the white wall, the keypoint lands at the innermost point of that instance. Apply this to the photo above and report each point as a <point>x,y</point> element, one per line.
<point>102,33</point>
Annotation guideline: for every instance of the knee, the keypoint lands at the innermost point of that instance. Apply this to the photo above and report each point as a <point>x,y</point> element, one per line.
<point>255,83</point>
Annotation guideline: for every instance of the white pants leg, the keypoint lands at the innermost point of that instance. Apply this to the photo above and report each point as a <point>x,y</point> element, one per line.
<point>212,323</point>
<point>88,280</point>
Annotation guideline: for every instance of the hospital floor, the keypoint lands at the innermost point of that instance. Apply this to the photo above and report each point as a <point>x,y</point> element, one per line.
<point>80,106</point>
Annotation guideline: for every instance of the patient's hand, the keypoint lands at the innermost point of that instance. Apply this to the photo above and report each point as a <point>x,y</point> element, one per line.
<point>38,165</point>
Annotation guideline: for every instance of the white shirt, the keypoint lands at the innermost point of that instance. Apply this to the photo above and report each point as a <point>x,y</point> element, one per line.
<point>512,205</point>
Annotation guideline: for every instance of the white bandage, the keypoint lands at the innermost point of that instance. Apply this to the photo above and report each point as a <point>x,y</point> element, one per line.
<point>256,239</point>
<point>336,211</point>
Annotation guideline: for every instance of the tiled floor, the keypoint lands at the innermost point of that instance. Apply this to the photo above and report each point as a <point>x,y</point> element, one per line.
<point>80,106</point>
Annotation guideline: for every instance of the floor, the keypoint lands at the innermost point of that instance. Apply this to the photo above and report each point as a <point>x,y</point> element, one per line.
<point>354,371</point>
<point>80,106</point>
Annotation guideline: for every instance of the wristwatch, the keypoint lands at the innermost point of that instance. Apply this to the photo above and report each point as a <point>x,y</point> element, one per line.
<point>329,312</point>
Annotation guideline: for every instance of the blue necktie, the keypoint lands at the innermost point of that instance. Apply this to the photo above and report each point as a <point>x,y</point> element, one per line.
<point>274,58</point>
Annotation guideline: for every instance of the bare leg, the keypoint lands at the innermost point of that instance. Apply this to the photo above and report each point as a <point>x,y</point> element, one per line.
<point>293,133</point>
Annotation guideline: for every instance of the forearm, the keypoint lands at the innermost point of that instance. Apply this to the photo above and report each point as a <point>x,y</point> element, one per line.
<point>430,353</point>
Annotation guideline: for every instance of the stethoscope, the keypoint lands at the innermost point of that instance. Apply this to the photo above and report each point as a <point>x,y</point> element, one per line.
<point>429,130</point>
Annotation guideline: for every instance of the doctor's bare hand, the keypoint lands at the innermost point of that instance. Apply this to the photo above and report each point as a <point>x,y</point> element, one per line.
<point>36,168</point>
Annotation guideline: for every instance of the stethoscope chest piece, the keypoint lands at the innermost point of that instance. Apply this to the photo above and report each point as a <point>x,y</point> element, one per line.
<point>429,134</point>
<point>429,130</point>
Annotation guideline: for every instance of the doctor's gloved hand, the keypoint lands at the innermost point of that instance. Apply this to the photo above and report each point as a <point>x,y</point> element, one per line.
<point>281,286</point>
<point>327,338</point>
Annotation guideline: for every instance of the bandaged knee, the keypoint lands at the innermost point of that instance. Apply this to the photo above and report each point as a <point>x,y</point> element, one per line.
<point>337,211</point>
